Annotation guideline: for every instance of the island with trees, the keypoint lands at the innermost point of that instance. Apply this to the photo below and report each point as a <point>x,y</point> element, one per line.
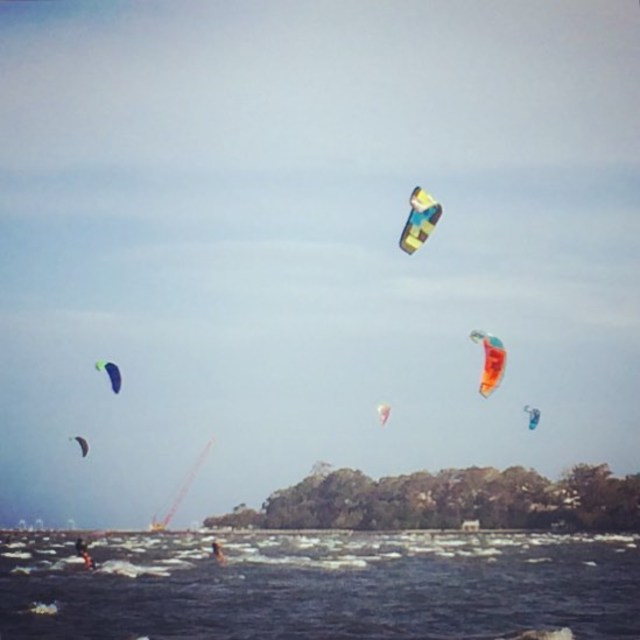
<point>586,498</point>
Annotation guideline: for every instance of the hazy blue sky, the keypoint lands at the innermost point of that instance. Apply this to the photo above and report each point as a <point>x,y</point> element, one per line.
<point>210,194</point>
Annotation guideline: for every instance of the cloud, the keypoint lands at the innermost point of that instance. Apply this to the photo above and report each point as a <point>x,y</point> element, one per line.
<point>212,197</point>
<point>226,90</point>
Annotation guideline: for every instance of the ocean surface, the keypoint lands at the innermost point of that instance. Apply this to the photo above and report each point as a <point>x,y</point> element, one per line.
<point>320,586</point>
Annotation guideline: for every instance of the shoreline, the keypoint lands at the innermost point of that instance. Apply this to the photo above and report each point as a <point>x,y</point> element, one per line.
<point>249,531</point>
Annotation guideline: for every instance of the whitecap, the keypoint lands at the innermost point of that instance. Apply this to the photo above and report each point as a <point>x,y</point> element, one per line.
<point>176,562</point>
<point>282,560</point>
<point>561,634</point>
<point>193,554</point>
<point>557,634</point>
<point>129,570</point>
<point>43,609</point>
<point>271,542</point>
<point>22,570</point>
<point>486,552</point>
<point>416,550</point>
<point>16,545</point>
<point>614,537</point>
<point>303,542</point>
<point>537,560</point>
<point>351,563</point>
<point>453,543</point>
<point>18,555</point>
<point>505,542</point>
<point>64,563</point>
<point>242,548</point>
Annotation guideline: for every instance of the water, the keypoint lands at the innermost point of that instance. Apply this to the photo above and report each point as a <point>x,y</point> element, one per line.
<point>320,586</point>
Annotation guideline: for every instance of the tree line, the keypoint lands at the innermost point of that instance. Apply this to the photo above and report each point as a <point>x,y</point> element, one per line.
<point>586,498</point>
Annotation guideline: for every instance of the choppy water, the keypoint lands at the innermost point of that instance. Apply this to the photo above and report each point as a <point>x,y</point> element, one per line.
<point>321,586</point>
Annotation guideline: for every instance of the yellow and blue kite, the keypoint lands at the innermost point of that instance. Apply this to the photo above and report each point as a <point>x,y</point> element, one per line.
<point>424,215</point>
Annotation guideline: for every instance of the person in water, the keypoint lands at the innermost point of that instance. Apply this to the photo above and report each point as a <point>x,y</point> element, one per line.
<point>82,550</point>
<point>216,552</point>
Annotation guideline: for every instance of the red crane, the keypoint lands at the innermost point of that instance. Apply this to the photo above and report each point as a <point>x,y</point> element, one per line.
<point>161,525</point>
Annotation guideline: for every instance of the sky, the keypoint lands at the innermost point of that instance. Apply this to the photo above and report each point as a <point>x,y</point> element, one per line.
<point>211,195</point>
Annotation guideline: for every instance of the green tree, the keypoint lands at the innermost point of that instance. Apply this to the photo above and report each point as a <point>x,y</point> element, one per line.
<point>589,488</point>
<point>586,498</point>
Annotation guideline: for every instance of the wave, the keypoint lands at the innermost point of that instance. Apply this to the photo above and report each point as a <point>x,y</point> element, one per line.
<point>130,570</point>
<point>43,609</point>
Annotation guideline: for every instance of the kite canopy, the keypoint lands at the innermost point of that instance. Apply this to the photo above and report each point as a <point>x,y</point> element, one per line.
<point>84,445</point>
<point>114,374</point>
<point>424,215</point>
<point>534,416</point>
<point>495,361</point>
<point>384,410</point>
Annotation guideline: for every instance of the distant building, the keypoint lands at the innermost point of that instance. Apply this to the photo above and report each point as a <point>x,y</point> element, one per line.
<point>470,525</point>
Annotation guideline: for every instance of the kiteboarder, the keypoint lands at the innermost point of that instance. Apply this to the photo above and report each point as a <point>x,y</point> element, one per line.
<point>216,552</point>
<point>82,550</point>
